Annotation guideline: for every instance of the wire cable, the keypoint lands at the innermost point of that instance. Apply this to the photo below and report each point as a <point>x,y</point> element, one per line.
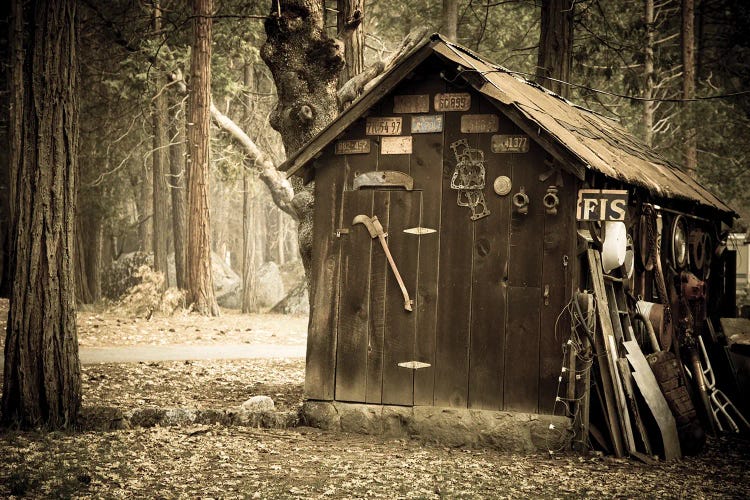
<point>606,92</point>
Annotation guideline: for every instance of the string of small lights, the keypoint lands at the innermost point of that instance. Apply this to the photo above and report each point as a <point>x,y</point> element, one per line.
<point>584,359</point>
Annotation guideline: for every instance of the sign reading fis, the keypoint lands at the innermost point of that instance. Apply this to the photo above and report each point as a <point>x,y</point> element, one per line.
<point>601,204</point>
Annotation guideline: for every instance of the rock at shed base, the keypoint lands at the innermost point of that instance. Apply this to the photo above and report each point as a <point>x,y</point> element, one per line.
<point>321,414</point>
<point>259,404</point>
<point>500,430</point>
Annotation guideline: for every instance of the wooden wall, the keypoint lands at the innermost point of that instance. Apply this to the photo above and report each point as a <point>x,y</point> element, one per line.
<point>487,293</point>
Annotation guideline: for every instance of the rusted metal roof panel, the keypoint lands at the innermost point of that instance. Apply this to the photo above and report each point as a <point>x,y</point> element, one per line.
<point>599,143</point>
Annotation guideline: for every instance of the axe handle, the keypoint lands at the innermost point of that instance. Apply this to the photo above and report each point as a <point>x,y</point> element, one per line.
<point>404,292</point>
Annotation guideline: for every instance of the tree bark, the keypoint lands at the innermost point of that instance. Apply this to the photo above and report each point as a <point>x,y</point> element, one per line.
<point>177,190</point>
<point>145,215</point>
<point>305,63</point>
<point>160,157</point>
<point>249,248</point>
<point>351,32</point>
<point>688,84</point>
<point>42,379</point>
<point>649,76</point>
<point>83,294</point>
<point>93,252</point>
<point>199,279</point>
<point>249,251</point>
<point>449,22</point>
<point>555,55</point>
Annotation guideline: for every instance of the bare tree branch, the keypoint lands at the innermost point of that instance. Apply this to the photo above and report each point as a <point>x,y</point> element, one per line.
<point>281,189</point>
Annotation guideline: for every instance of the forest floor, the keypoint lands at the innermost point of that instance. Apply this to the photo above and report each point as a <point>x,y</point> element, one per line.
<point>240,462</point>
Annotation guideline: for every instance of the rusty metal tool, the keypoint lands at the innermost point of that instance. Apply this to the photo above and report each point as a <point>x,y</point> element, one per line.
<point>375,228</point>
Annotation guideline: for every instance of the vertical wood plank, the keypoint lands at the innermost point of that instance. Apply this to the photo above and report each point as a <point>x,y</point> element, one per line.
<point>379,272</point>
<point>427,170</point>
<point>322,327</point>
<point>559,242</point>
<point>353,329</point>
<point>400,324</point>
<point>489,286</point>
<point>521,382</point>
<point>454,300</point>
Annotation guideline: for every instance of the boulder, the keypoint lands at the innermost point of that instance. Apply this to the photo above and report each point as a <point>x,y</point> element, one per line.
<point>258,404</point>
<point>227,283</point>
<point>297,301</point>
<point>270,286</point>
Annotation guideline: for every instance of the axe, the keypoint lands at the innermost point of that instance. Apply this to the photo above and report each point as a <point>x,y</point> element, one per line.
<point>376,231</point>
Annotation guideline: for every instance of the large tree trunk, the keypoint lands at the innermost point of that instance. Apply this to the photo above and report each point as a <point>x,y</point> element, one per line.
<point>305,64</point>
<point>177,189</point>
<point>82,292</point>
<point>649,76</point>
<point>351,32</point>
<point>93,250</point>
<point>555,54</point>
<point>199,280</point>
<point>159,165</point>
<point>42,379</point>
<point>688,83</point>
<point>249,217</point>
<point>449,21</point>
<point>250,250</point>
<point>145,215</point>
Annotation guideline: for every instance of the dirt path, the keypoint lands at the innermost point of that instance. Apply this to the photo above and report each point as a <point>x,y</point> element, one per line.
<point>106,328</point>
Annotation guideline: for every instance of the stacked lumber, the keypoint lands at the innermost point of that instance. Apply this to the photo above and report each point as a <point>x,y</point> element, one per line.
<point>631,397</point>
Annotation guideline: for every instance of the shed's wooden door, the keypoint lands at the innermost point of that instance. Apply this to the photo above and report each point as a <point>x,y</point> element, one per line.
<point>375,332</point>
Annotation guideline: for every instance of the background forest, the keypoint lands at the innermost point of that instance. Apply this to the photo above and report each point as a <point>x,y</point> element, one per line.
<point>627,64</point>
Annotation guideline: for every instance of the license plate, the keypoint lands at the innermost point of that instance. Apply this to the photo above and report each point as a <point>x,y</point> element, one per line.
<point>395,145</point>
<point>411,103</point>
<point>383,126</point>
<point>353,147</point>
<point>510,144</point>
<point>426,124</point>
<point>478,124</point>
<point>453,102</point>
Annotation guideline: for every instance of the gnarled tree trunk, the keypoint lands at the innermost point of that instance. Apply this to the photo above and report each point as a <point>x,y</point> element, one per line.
<point>42,379</point>
<point>199,279</point>
<point>305,63</point>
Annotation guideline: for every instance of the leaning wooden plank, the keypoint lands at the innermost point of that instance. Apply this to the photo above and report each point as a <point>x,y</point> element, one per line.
<point>602,347</point>
<point>622,404</point>
<point>626,377</point>
<point>646,382</point>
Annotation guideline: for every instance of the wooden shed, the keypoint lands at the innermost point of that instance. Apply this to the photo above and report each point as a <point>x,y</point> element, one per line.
<point>473,172</point>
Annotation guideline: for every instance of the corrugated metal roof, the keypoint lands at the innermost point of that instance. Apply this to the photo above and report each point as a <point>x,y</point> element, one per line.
<point>597,142</point>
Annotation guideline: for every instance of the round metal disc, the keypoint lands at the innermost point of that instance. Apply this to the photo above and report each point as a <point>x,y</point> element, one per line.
<point>502,185</point>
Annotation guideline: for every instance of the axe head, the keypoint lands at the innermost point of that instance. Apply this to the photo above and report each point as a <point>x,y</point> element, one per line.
<point>371,223</point>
